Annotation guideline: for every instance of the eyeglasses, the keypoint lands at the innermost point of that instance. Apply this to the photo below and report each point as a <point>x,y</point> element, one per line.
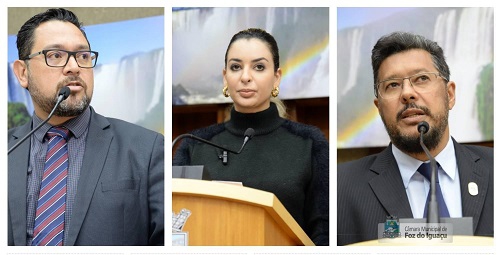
<point>59,58</point>
<point>421,83</point>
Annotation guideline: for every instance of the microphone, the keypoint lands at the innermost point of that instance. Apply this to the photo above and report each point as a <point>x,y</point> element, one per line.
<point>433,207</point>
<point>248,135</point>
<point>64,93</point>
<point>423,127</point>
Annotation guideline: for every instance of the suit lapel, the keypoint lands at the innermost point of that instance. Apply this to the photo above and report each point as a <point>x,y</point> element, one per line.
<point>388,187</point>
<point>17,179</point>
<point>98,141</point>
<point>469,171</point>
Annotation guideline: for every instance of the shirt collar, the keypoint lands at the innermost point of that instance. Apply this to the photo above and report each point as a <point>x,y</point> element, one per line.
<point>409,165</point>
<point>76,125</point>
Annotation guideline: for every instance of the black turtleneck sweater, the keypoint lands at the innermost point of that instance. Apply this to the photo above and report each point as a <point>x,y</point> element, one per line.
<point>286,158</point>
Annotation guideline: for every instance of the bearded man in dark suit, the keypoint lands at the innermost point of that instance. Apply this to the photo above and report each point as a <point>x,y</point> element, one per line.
<point>412,84</point>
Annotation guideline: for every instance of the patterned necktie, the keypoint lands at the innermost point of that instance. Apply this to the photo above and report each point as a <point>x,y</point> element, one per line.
<point>425,170</point>
<point>49,219</point>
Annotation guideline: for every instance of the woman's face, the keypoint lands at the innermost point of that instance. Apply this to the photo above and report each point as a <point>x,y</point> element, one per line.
<point>249,75</point>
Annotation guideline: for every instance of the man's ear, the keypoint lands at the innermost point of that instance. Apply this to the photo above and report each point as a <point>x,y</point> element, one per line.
<point>450,89</point>
<point>21,72</point>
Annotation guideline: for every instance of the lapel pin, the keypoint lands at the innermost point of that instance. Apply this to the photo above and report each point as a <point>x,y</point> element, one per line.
<point>473,190</point>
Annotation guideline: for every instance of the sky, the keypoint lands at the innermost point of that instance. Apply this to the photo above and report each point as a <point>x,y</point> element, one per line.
<point>353,17</point>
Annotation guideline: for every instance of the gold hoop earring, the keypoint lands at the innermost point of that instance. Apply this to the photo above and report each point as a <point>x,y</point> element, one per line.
<point>275,92</point>
<point>225,92</point>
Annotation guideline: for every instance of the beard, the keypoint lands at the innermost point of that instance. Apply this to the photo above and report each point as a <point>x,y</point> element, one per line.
<point>66,108</point>
<point>411,143</point>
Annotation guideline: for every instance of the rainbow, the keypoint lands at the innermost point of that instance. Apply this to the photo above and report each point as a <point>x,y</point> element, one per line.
<point>355,129</point>
<point>303,59</point>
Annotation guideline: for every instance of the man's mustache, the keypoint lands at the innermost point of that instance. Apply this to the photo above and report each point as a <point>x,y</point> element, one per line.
<point>415,106</point>
<point>71,79</point>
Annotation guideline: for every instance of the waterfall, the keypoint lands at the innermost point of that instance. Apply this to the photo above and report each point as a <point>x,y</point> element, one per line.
<point>467,40</point>
<point>198,66</point>
<point>464,34</point>
<point>135,85</point>
<point>354,39</point>
<point>445,31</point>
<point>270,19</point>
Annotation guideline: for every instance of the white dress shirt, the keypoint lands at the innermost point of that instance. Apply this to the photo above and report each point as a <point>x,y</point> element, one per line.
<point>417,186</point>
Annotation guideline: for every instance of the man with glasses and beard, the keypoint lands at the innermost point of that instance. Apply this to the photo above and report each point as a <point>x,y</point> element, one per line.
<point>412,84</point>
<point>80,179</point>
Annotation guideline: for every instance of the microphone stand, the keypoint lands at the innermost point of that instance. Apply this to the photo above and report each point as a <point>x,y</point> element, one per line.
<point>203,141</point>
<point>433,207</point>
<point>199,172</point>
<point>248,135</point>
<point>462,225</point>
<point>63,94</point>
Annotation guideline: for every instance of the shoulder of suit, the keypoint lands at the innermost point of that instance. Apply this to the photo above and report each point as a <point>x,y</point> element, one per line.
<point>364,161</point>
<point>12,130</point>
<point>25,128</point>
<point>362,166</point>
<point>121,126</point>
<point>117,124</point>
<point>481,151</point>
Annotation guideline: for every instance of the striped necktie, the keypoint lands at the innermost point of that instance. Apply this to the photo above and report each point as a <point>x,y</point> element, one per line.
<point>426,171</point>
<point>51,207</point>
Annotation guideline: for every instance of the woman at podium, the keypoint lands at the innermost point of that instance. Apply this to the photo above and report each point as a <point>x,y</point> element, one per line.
<point>286,158</point>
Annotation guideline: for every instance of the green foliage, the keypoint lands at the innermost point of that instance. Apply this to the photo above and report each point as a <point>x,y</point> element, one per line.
<point>484,96</point>
<point>17,115</point>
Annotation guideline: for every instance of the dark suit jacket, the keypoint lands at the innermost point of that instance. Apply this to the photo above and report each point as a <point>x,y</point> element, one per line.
<point>371,188</point>
<point>119,199</point>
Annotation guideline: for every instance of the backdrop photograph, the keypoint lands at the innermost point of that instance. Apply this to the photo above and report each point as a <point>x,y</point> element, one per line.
<point>200,36</point>
<point>466,36</point>
<point>129,74</point>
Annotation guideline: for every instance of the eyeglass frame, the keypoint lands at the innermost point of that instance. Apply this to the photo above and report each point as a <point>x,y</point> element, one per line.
<point>70,53</point>
<point>376,85</point>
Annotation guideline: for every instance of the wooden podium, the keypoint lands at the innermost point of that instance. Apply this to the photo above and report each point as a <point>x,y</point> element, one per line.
<point>228,214</point>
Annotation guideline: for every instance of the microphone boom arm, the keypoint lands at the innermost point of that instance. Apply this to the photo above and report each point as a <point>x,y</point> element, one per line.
<point>63,94</point>
<point>433,208</point>
<point>248,135</point>
<point>201,140</point>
